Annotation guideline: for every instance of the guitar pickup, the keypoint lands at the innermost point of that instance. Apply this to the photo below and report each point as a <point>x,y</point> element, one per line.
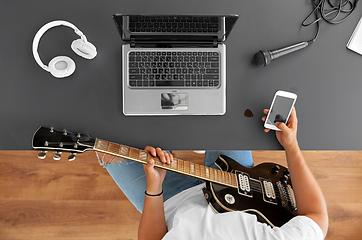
<point>243,184</point>
<point>267,187</point>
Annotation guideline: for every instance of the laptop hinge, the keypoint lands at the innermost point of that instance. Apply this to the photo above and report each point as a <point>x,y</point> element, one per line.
<point>133,42</point>
<point>172,44</point>
<point>215,42</point>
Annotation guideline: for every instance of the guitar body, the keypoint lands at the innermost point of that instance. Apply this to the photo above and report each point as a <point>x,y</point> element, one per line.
<point>274,211</point>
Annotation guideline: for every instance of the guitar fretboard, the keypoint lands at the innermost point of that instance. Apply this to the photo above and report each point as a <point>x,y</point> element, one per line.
<point>177,165</point>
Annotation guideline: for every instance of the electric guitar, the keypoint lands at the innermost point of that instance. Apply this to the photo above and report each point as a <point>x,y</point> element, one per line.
<point>264,190</point>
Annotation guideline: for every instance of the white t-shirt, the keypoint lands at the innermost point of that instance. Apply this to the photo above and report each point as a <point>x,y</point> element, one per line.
<point>188,216</point>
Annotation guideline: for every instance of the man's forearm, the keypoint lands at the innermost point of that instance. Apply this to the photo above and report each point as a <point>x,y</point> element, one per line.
<point>153,223</point>
<point>309,197</point>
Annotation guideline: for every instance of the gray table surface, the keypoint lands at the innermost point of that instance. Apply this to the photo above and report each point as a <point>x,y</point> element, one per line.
<point>326,77</point>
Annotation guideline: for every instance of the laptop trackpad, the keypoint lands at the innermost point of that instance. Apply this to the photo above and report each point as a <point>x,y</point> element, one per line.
<point>174,101</point>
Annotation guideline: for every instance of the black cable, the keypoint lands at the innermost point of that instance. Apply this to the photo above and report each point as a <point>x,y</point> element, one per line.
<point>335,12</point>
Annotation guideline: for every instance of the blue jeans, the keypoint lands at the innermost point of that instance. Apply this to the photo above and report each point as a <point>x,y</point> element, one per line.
<point>131,179</point>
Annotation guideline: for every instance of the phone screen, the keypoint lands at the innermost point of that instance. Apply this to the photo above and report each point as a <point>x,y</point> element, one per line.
<point>280,110</point>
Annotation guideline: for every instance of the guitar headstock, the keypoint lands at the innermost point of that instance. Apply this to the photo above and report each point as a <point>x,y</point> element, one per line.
<point>49,139</point>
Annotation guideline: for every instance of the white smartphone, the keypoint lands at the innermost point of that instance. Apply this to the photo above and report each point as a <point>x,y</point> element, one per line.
<point>280,109</point>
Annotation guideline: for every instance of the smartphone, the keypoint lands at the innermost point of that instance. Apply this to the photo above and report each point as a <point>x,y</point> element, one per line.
<point>280,109</point>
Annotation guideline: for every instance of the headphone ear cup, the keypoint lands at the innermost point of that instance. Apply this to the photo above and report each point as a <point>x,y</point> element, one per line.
<point>61,66</point>
<point>84,49</point>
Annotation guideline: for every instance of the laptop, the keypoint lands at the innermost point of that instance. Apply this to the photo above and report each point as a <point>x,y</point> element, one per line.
<point>174,64</point>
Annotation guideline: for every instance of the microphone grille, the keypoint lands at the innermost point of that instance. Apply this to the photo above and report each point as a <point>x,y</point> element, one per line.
<point>262,58</point>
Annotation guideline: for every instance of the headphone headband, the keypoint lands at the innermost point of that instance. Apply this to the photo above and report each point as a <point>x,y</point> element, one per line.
<point>45,28</point>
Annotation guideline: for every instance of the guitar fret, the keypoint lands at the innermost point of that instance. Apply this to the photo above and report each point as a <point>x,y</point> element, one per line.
<point>219,174</point>
<point>202,172</point>
<point>134,153</point>
<point>228,178</point>
<point>233,177</point>
<point>119,149</point>
<point>208,173</point>
<point>124,151</point>
<point>158,162</point>
<point>143,156</point>
<point>102,145</point>
<point>174,164</point>
<point>192,169</point>
<point>113,148</point>
<point>180,165</point>
<point>167,166</point>
<point>197,170</point>
<point>187,167</point>
<point>216,177</point>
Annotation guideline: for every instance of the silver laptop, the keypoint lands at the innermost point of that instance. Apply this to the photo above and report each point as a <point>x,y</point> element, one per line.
<point>174,64</point>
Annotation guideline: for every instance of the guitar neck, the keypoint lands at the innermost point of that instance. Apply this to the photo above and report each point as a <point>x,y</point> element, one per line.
<point>177,165</point>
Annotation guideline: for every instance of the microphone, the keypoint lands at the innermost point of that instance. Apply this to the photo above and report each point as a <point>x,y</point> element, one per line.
<point>264,57</point>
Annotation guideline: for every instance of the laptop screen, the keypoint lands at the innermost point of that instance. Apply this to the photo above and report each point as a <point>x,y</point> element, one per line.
<point>182,28</point>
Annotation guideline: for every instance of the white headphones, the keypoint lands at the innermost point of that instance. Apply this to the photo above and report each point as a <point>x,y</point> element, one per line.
<point>63,66</point>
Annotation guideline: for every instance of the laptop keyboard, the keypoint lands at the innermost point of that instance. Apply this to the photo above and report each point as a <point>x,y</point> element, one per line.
<point>191,69</point>
<point>173,24</point>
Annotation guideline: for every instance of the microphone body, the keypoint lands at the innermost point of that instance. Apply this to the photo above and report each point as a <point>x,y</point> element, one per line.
<point>264,57</point>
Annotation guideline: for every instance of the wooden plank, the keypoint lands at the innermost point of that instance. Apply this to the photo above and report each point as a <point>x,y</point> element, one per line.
<point>24,176</point>
<point>68,219</point>
<point>47,199</point>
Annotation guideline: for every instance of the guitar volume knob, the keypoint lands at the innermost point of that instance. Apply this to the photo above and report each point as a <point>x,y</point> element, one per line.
<point>275,170</point>
<point>284,179</point>
<point>286,173</point>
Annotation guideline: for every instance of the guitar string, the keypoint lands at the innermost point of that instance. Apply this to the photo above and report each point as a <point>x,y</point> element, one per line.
<point>255,186</point>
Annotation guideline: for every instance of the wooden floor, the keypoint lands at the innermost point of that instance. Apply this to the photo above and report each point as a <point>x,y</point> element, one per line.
<point>47,199</point>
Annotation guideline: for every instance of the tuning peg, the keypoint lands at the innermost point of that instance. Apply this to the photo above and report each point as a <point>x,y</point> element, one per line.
<point>42,155</point>
<point>65,132</point>
<point>51,129</point>
<point>57,156</point>
<point>71,157</point>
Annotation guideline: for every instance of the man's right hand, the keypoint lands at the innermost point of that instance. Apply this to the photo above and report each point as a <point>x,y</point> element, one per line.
<point>287,137</point>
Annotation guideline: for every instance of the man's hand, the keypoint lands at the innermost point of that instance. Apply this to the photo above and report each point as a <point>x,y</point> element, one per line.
<point>153,222</point>
<point>155,176</point>
<point>287,137</point>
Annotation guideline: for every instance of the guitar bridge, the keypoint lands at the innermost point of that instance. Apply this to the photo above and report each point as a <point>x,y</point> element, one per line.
<point>293,203</point>
<point>243,184</point>
<point>287,196</point>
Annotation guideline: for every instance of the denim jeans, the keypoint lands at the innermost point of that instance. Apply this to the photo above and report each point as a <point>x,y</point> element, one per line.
<point>131,179</point>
